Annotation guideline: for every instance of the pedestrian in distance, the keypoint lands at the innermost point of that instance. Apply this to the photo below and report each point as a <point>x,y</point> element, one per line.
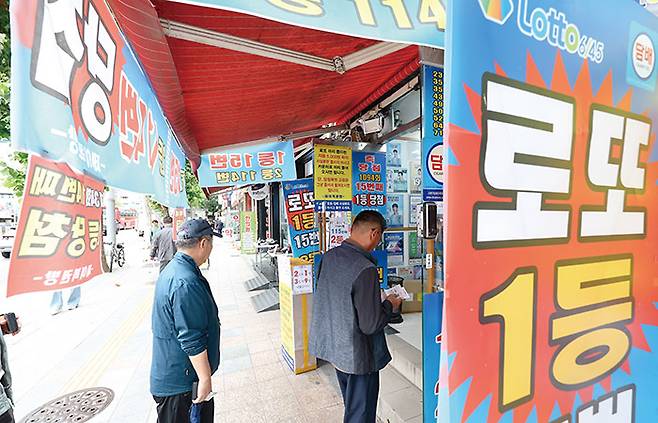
<point>349,317</point>
<point>9,324</point>
<point>163,247</point>
<point>57,300</point>
<point>186,331</point>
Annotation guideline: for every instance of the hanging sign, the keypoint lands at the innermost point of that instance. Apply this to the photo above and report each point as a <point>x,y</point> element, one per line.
<point>432,133</point>
<point>333,176</point>
<point>79,96</point>
<point>420,22</point>
<point>552,209</point>
<point>369,182</point>
<point>58,241</point>
<point>252,164</point>
<point>248,232</point>
<point>304,239</point>
<point>178,218</point>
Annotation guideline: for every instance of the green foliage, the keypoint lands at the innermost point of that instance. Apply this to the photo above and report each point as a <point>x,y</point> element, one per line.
<point>211,206</point>
<point>5,70</point>
<point>14,177</point>
<point>195,195</point>
<point>157,208</point>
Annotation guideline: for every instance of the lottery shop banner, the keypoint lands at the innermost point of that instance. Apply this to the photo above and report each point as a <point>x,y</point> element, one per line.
<point>79,96</point>
<point>552,217</point>
<point>332,175</point>
<point>419,22</point>
<point>432,104</point>
<point>300,210</point>
<point>369,182</point>
<point>58,242</point>
<point>253,164</point>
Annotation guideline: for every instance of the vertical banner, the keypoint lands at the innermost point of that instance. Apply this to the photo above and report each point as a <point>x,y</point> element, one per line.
<point>58,242</point>
<point>552,218</point>
<point>244,165</point>
<point>432,105</point>
<point>333,177</point>
<point>73,69</point>
<point>248,230</point>
<point>178,220</point>
<point>299,204</point>
<point>432,321</point>
<point>369,179</point>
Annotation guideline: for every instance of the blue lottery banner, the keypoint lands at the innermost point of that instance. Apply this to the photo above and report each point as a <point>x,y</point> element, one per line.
<point>550,306</point>
<point>432,107</point>
<point>369,182</point>
<point>432,335</point>
<point>80,97</point>
<point>419,22</point>
<point>298,197</point>
<point>252,164</point>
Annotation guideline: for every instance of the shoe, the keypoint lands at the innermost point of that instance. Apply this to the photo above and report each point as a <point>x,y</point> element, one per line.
<point>71,307</point>
<point>55,311</point>
<point>396,318</point>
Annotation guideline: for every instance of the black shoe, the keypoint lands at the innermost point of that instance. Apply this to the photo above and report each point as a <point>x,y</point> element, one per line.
<point>396,318</point>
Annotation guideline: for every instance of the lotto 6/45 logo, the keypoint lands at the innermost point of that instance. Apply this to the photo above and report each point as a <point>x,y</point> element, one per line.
<point>497,10</point>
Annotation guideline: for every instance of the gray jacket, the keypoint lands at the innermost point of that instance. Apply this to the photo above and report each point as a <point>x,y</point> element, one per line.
<point>6,397</point>
<point>349,317</point>
<point>163,245</point>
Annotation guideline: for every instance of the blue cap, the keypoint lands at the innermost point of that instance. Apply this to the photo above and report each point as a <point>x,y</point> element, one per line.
<point>195,228</point>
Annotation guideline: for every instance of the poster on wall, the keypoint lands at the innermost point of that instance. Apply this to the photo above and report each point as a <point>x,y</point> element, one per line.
<point>248,232</point>
<point>552,208</point>
<point>95,107</point>
<point>394,154</point>
<point>59,238</point>
<point>414,202</point>
<point>394,245</point>
<point>394,211</point>
<point>432,107</point>
<point>339,224</point>
<point>369,178</point>
<point>298,197</point>
<point>252,164</point>
<point>398,180</point>
<point>416,177</point>
<point>415,248</point>
<point>332,178</point>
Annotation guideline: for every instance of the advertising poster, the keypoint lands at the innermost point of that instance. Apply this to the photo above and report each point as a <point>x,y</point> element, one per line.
<point>393,154</point>
<point>394,244</point>
<point>332,173</point>
<point>369,178</point>
<point>432,107</point>
<point>398,180</point>
<point>244,165</point>
<point>432,320</point>
<point>552,213</point>
<point>178,217</point>
<point>394,211</point>
<point>338,228</point>
<point>248,233</point>
<point>416,177</point>
<point>59,237</point>
<point>414,202</point>
<point>298,197</point>
<point>95,107</point>
<point>415,248</point>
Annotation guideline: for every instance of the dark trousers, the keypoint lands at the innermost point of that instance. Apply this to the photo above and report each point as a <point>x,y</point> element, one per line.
<point>176,409</point>
<point>7,417</point>
<point>360,394</point>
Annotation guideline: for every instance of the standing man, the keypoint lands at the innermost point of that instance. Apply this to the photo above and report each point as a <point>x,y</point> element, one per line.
<point>185,330</point>
<point>349,317</point>
<point>163,246</point>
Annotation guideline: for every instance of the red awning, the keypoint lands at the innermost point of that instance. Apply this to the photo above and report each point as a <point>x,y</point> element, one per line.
<point>230,96</point>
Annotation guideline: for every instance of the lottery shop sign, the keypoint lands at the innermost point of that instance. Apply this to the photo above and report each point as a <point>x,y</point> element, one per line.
<point>253,164</point>
<point>58,242</point>
<point>332,173</point>
<point>432,132</point>
<point>552,202</point>
<point>79,96</point>
<point>299,205</point>
<point>369,179</point>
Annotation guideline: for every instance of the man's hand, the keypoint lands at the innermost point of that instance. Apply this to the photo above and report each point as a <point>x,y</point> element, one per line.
<point>5,327</point>
<point>395,301</point>
<point>204,388</point>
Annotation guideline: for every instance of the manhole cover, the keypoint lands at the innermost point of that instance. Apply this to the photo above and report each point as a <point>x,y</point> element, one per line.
<point>78,407</point>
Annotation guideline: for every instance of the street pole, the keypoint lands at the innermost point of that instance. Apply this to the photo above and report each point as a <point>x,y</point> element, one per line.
<point>110,205</point>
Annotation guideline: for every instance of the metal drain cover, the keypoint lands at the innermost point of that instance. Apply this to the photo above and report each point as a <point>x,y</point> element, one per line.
<point>76,407</point>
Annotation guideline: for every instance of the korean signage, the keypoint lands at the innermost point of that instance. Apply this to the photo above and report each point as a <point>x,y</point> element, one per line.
<point>369,182</point>
<point>59,239</point>
<point>248,232</point>
<point>304,239</point>
<point>253,164</point>
<point>79,96</point>
<point>178,220</point>
<point>432,335</point>
<point>552,202</point>
<point>332,173</point>
<point>432,133</point>
<point>419,22</point>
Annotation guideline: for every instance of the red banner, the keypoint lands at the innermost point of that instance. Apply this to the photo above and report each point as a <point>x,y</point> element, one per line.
<point>179,219</point>
<point>58,243</point>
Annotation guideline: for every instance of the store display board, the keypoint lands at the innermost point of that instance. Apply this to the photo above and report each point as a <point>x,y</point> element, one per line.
<point>369,182</point>
<point>248,234</point>
<point>432,321</point>
<point>432,107</point>
<point>298,197</point>
<point>552,213</point>
<point>296,303</point>
<point>333,174</point>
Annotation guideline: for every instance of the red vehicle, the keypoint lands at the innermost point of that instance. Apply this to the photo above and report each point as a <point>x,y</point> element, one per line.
<point>126,219</point>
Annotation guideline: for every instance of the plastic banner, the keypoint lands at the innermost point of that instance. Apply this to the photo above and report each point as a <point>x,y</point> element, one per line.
<point>79,96</point>
<point>178,217</point>
<point>432,321</point>
<point>369,182</point>
<point>432,133</point>
<point>248,233</point>
<point>419,22</point>
<point>332,173</point>
<point>244,165</point>
<point>552,214</point>
<point>59,238</point>
<point>298,197</point>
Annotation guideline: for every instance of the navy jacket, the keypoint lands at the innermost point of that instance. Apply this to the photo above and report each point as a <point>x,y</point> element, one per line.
<point>184,324</point>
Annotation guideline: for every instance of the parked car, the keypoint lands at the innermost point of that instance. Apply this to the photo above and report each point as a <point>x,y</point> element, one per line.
<point>7,235</point>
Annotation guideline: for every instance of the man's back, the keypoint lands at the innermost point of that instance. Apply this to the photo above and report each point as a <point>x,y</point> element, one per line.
<point>163,245</point>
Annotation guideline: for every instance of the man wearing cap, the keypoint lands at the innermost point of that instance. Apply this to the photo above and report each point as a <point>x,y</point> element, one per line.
<point>186,329</point>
